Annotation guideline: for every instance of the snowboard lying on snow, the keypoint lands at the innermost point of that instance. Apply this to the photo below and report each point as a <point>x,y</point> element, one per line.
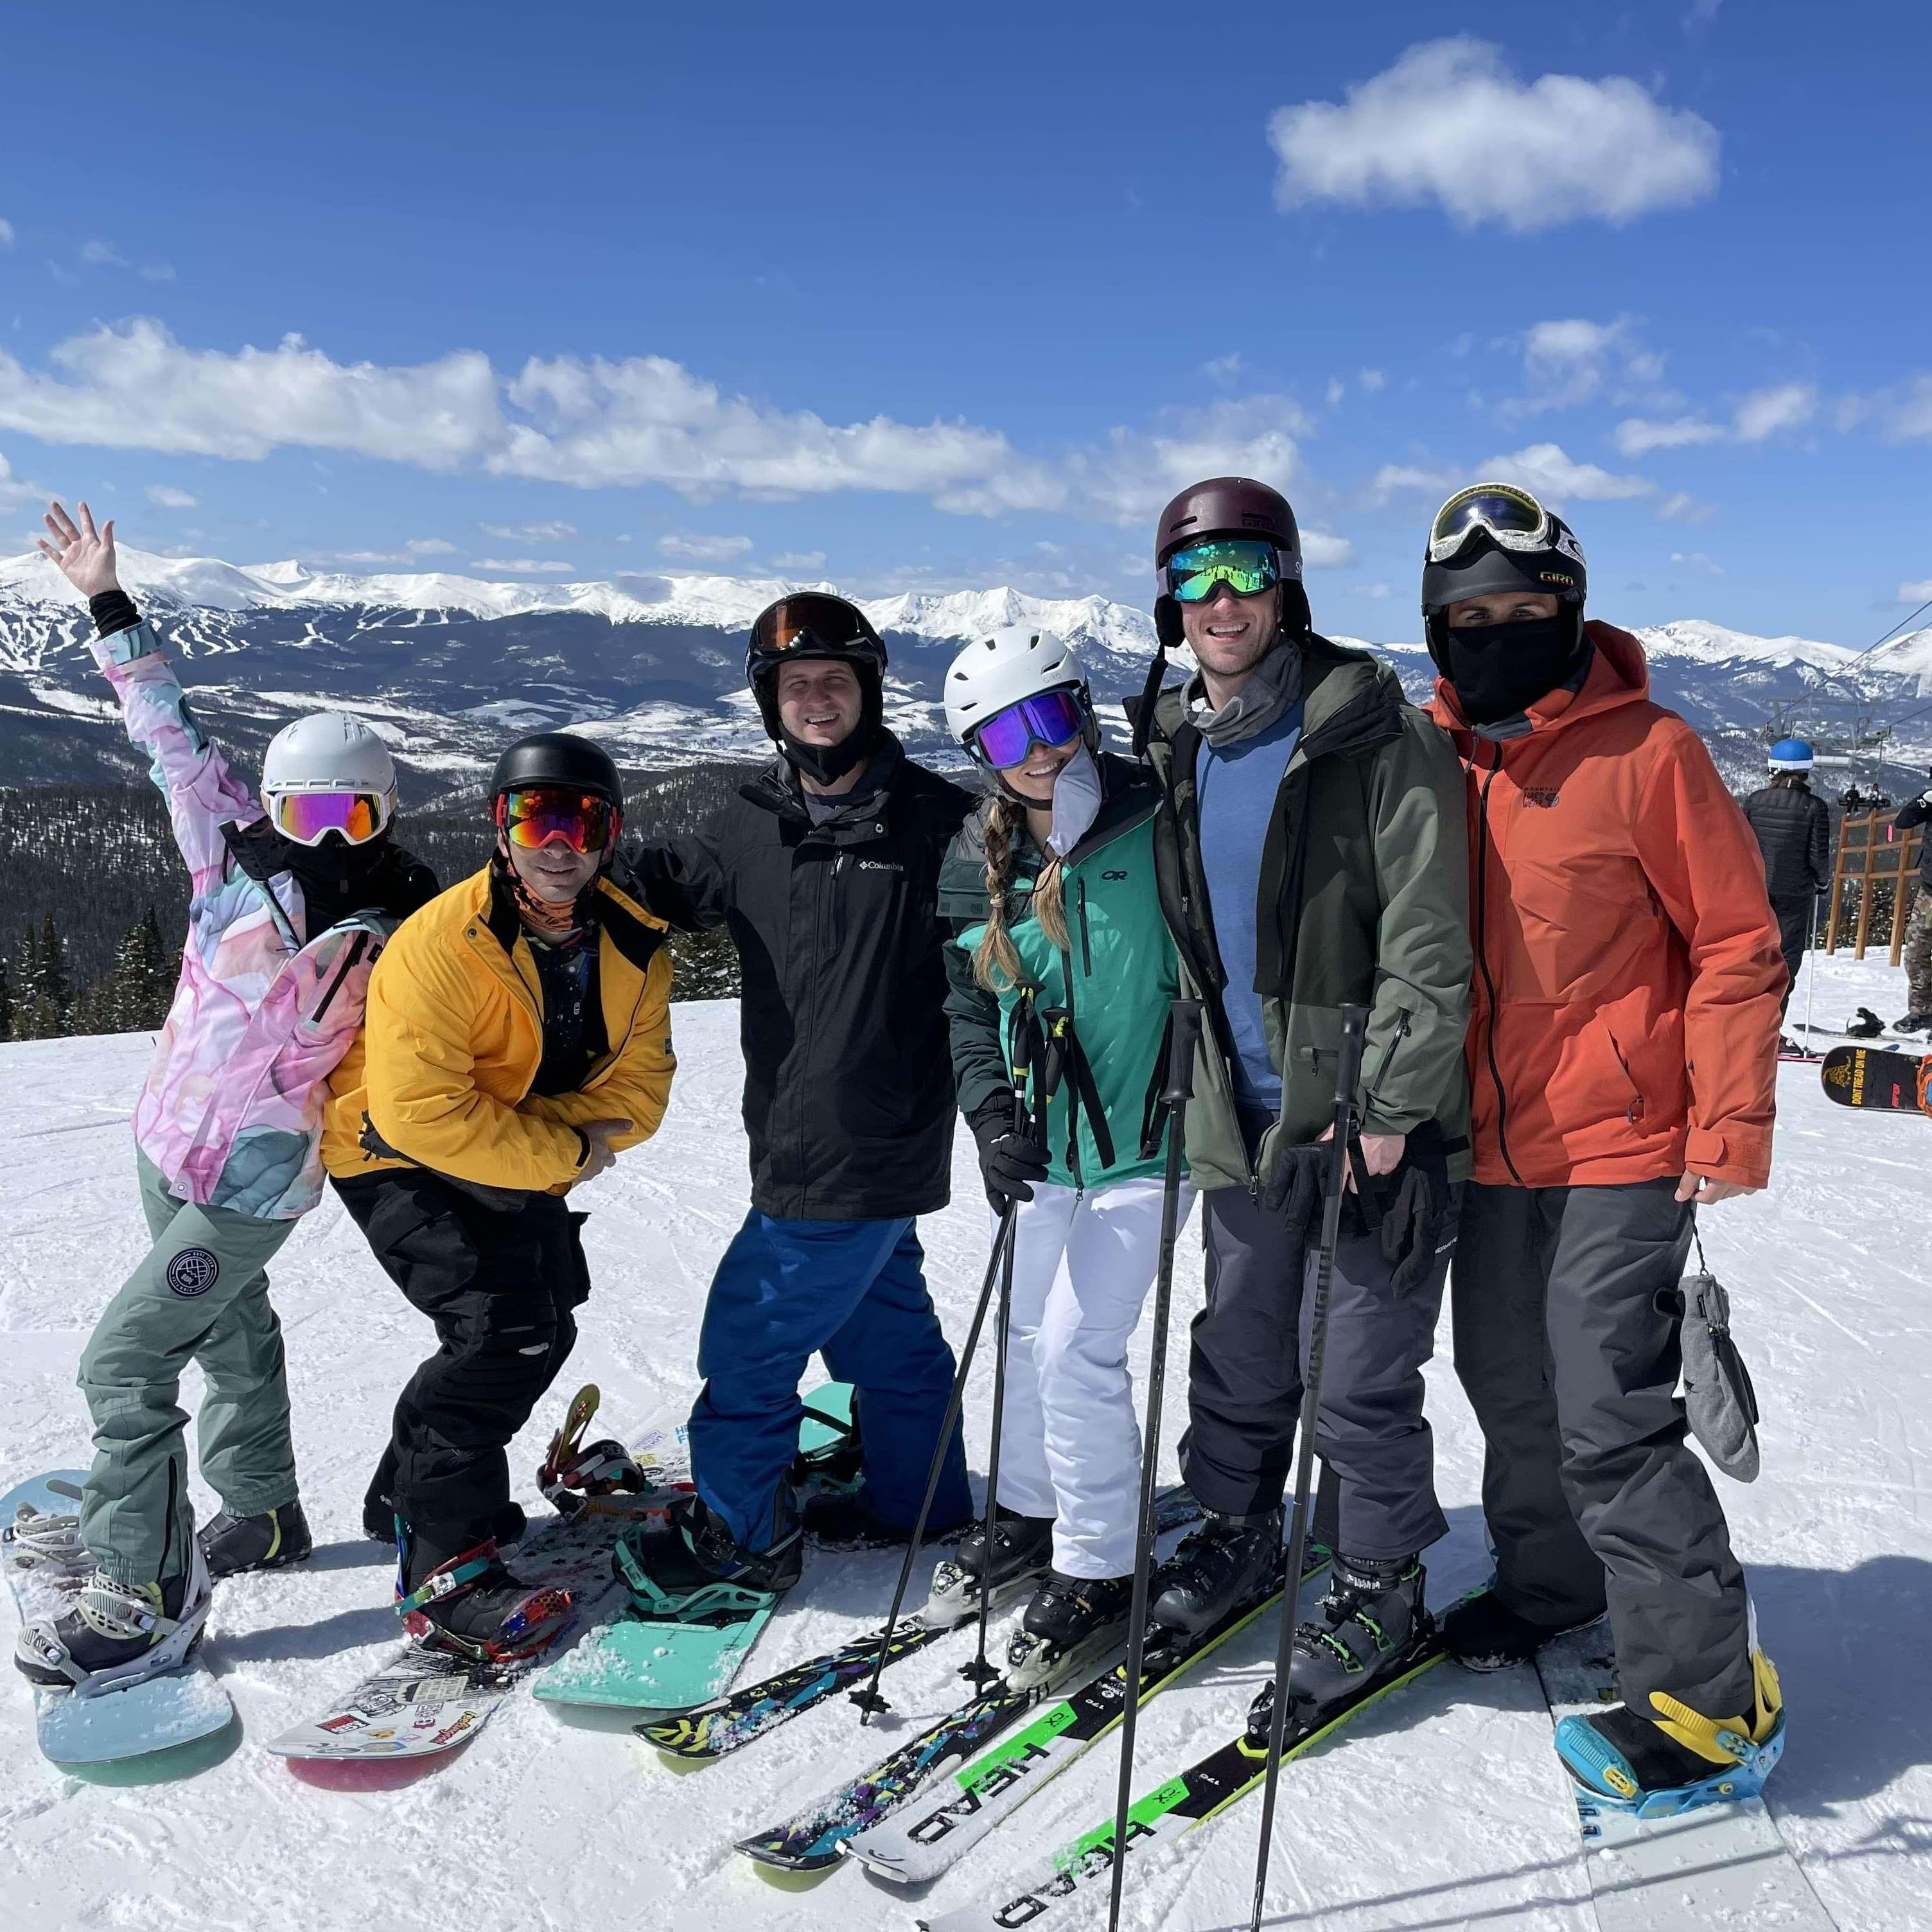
<point>164,1727</point>
<point>1876,1077</point>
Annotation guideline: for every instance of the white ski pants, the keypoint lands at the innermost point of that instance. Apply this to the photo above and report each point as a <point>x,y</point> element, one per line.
<point>1070,1443</point>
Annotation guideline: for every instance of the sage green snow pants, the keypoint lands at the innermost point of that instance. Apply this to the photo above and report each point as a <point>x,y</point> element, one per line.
<point>199,1295</point>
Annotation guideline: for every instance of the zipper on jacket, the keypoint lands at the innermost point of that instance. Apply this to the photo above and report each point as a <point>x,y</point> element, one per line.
<point>1072,1092</point>
<point>1086,943</point>
<point>357,947</point>
<point>1375,1086</point>
<point>1483,959</point>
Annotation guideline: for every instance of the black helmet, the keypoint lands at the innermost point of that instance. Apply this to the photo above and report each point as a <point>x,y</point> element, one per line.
<point>558,758</point>
<point>1228,506</point>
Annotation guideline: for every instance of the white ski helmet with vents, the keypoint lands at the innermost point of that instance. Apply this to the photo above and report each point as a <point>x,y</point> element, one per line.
<point>328,751</point>
<point>995,672</point>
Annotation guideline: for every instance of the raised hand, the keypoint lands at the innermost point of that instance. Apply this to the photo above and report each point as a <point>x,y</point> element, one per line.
<point>85,555</point>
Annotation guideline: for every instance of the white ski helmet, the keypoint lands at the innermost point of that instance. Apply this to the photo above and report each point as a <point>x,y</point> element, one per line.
<point>331,752</point>
<point>996,671</point>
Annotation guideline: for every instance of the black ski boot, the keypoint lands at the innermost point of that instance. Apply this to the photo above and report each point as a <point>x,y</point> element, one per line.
<point>118,1633</point>
<point>1224,1561</point>
<point>1371,1623</point>
<point>1914,1022</point>
<point>270,1541</point>
<point>670,1566</point>
<point>1069,1618</point>
<point>1483,1633</point>
<point>469,1604</point>
<point>1022,1548</point>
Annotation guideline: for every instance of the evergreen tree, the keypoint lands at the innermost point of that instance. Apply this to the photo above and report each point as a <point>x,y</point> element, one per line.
<point>151,990</point>
<point>27,987</point>
<point>6,1002</point>
<point>56,983</point>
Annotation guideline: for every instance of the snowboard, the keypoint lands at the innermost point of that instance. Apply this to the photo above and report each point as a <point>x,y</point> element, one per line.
<point>162,1727</point>
<point>637,1669</point>
<point>1721,1864</point>
<point>1874,1077</point>
<point>421,1707</point>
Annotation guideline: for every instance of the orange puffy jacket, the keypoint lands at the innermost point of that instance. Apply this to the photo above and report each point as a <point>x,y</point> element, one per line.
<point>1623,1022</point>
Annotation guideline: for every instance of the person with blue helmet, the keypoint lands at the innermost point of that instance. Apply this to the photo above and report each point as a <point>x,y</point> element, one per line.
<point>1793,826</point>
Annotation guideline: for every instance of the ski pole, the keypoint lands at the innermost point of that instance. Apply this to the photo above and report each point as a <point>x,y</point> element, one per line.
<point>1811,966</point>
<point>1348,1072</point>
<point>869,1699</point>
<point>1183,1030</point>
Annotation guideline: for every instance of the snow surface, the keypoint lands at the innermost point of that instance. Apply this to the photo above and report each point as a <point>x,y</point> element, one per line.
<point>1447,1810</point>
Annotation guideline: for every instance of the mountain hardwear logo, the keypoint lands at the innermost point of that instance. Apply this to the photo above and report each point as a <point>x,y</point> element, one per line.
<point>193,1271</point>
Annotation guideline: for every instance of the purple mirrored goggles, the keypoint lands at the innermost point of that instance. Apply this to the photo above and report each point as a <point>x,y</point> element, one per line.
<point>1052,717</point>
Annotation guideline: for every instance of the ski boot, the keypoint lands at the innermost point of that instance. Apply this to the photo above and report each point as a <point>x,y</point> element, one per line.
<point>1372,1624</point>
<point>1658,1767</point>
<point>118,1633</point>
<point>689,1567</point>
<point>270,1541</point>
<point>1483,1633</point>
<point>1070,1619</point>
<point>470,1606</point>
<point>1914,1022</point>
<point>1022,1548</point>
<point>1220,1564</point>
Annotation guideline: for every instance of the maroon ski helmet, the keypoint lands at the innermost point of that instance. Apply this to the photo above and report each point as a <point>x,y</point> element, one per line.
<point>1228,506</point>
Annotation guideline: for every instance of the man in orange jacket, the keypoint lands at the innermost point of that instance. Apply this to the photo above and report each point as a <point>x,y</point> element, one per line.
<point>1623,1052</point>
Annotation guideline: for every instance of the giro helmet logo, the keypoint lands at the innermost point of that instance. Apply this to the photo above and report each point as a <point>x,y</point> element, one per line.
<point>193,1271</point>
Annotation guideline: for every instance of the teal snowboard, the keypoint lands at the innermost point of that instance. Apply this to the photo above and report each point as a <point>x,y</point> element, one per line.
<point>165,1727</point>
<point>646,1667</point>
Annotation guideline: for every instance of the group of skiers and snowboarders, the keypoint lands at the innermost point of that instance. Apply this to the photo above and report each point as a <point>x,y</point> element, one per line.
<point>1536,886</point>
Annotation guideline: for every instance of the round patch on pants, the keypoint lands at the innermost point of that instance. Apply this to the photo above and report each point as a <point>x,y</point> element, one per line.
<point>193,1271</point>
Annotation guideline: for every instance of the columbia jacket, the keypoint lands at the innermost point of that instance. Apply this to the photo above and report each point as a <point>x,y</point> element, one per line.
<point>1363,901</point>
<point>1628,976</point>
<point>1114,981</point>
<point>455,1037</point>
<point>264,1010</point>
<point>1793,826</point>
<point>848,1091</point>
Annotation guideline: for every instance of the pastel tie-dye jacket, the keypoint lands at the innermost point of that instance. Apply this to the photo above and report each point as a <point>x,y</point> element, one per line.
<point>232,1111</point>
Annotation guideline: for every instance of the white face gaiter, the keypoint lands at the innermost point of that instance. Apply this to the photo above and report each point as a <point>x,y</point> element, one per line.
<point>1076,803</point>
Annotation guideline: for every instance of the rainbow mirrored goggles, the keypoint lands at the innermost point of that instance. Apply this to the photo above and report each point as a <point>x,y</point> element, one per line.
<point>1247,565</point>
<point>1053,718</point>
<point>535,816</point>
<point>307,817</point>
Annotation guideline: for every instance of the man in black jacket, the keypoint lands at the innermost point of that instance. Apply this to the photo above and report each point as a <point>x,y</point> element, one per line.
<point>1915,813</point>
<point>825,869</point>
<point>1794,831</point>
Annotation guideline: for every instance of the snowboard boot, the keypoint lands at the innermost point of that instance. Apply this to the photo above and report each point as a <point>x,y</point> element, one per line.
<point>689,1567</point>
<point>1221,1564</point>
<point>276,1537</point>
<point>845,1519</point>
<point>1679,1760</point>
<point>1070,1619</point>
<point>837,1468</point>
<point>469,1605</point>
<point>1915,1021</point>
<point>379,1523</point>
<point>1483,1633</point>
<point>1371,1623</point>
<point>118,1633</point>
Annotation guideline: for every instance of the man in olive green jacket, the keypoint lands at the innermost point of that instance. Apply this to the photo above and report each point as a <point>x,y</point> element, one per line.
<point>1312,853</point>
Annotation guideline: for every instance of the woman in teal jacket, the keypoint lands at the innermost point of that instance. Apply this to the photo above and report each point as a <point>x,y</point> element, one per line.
<point>1060,955</point>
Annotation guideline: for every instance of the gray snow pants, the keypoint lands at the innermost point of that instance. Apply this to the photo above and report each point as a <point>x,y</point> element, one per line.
<point>1244,1381</point>
<point>199,1295</point>
<point>1591,1493</point>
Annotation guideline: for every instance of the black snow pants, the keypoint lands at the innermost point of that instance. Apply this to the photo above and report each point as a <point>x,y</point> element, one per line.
<point>1591,1493</point>
<point>1244,1381</point>
<point>500,1287</point>
<point>1794,936</point>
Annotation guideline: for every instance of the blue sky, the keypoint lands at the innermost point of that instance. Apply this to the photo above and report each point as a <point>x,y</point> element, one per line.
<point>909,299</point>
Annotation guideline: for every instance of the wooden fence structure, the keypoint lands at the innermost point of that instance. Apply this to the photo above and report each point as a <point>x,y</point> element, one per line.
<point>1871,856</point>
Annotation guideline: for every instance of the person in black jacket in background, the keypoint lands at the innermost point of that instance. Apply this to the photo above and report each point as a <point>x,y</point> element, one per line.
<point>1794,832</point>
<point>826,870</point>
<point>1915,813</point>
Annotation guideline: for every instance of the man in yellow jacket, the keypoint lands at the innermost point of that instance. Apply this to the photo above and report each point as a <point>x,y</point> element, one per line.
<point>518,1038</point>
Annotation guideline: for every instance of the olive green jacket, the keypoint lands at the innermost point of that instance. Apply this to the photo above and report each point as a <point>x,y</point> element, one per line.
<point>1363,901</point>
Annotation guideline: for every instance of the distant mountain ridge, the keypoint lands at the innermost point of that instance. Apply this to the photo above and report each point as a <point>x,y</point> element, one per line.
<point>448,666</point>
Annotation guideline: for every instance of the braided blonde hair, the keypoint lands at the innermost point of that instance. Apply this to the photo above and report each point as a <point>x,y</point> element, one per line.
<point>996,960</point>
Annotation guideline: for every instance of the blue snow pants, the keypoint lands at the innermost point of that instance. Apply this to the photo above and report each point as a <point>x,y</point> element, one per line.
<point>853,1292</point>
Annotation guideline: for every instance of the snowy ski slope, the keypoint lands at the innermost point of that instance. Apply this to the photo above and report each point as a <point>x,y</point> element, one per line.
<point>1447,1811</point>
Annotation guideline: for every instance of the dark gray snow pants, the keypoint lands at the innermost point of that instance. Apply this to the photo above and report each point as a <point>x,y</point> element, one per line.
<point>1591,1491</point>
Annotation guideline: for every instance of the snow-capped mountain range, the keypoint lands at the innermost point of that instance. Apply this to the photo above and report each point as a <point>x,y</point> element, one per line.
<point>448,666</point>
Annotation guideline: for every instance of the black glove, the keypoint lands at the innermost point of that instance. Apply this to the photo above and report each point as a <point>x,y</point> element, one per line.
<point>1293,1189</point>
<point>1010,1161</point>
<point>1416,1228</point>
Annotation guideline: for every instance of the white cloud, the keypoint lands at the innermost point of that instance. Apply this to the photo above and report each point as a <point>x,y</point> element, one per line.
<point>1920,592</point>
<point>411,552</point>
<point>170,498</point>
<point>1372,379</point>
<point>6,234</point>
<point>1337,389</point>
<point>99,255</point>
<point>156,271</point>
<point>705,549</point>
<point>546,532</point>
<point>1571,360</point>
<point>1681,507</point>
<point>1322,550</point>
<point>1697,559</point>
<point>799,559</point>
<point>1765,411</point>
<point>1635,437</point>
<point>522,566</point>
<point>1543,469</point>
<point>1911,412</point>
<point>1393,476</point>
<point>1449,122</point>
<point>1223,368</point>
<point>15,490</point>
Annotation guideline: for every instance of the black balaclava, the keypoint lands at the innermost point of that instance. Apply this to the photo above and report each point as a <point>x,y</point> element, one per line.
<point>1500,670</point>
<point>336,877</point>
